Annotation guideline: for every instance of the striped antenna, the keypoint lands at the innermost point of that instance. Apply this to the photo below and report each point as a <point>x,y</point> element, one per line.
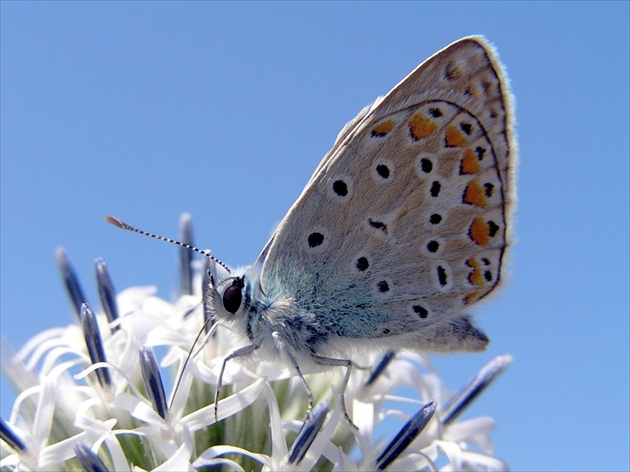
<point>121,224</point>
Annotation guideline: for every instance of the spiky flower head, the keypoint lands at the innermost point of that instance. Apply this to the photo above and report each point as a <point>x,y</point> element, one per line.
<point>93,396</point>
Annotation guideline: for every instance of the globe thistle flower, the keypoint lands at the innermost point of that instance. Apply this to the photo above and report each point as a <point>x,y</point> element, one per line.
<point>93,396</point>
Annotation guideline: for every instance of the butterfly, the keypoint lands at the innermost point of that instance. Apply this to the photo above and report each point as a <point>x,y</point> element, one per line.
<point>401,229</point>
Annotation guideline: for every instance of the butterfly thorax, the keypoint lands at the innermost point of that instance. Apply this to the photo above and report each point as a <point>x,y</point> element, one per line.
<point>265,318</point>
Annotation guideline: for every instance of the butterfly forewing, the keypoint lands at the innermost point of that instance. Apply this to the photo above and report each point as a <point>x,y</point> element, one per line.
<point>404,223</point>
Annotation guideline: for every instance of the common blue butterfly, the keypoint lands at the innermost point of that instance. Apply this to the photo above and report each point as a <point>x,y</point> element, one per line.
<point>400,230</point>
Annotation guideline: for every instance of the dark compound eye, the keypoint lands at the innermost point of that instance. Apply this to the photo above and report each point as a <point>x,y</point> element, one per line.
<point>233,295</point>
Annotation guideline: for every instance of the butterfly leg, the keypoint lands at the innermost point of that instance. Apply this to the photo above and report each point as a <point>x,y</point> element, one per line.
<point>243,351</point>
<point>329,361</point>
<point>278,340</point>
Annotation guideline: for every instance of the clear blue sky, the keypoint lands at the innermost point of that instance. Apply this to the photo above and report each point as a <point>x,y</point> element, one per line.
<point>147,110</point>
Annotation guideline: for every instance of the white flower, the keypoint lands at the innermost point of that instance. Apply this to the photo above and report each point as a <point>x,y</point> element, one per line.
<point>92,396</point>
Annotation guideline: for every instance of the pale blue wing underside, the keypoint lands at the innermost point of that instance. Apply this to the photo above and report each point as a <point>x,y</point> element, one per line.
<point>404,224</point>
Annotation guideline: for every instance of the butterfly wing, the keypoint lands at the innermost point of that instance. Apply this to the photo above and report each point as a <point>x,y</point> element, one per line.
<point>404,223</point>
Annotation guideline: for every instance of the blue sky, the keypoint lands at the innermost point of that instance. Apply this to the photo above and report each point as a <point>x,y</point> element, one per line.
<point>148,110</point>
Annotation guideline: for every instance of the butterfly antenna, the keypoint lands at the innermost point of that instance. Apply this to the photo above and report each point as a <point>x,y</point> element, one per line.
<point>190,354</point>
<point>121,224</point>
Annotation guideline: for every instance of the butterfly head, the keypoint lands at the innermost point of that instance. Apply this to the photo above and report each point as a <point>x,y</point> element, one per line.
<point>235,297</point>
<point>229,297</point>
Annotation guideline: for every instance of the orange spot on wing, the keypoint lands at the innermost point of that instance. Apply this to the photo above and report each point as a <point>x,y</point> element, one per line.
<point>454,137</point>
<point>471,297</point>
<point>479,231</point>
<point>476,276</point>
<point>470,163</point>
<point>383,128</point>
<point>421,127</point>
<point>475,195</point>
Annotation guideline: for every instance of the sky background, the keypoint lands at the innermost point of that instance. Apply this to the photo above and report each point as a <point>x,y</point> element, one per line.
<point>148,110</point>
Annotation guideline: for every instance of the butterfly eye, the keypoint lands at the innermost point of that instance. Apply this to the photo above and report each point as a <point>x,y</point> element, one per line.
<point>233,296</point>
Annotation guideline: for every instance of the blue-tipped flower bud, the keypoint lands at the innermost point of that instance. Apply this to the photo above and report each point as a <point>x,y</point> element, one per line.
<point>308,432</point>
<point>8,436</point>
<point>70,281</point>
<point>406,435</point>
<point>380,367</point>
<point>90,461</point>
<point>461,400</point>
<point>106,291</point>
<point>94,344</point>
<point>153,381</point>
<point>185,255</point>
